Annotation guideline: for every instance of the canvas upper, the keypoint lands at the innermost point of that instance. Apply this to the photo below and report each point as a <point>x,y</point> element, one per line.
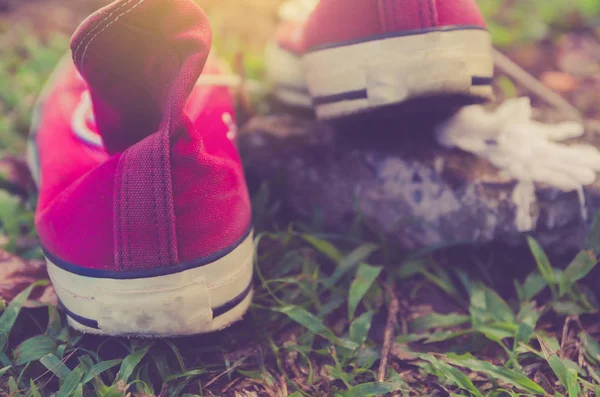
<point>137,164</point>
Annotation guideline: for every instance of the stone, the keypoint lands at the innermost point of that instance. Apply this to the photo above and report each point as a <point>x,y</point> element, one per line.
<point>403,184</point>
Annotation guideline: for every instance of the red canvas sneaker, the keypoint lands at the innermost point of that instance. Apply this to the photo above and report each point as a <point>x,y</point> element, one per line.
<point>143,212</point>
<point>359,55</point>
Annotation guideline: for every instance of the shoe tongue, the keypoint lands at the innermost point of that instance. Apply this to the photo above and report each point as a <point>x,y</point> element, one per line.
<point>141,59</point>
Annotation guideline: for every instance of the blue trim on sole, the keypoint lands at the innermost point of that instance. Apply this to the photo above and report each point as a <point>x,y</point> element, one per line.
<point>219,311</point>
<point>149,273</point>
<point>81,320</point>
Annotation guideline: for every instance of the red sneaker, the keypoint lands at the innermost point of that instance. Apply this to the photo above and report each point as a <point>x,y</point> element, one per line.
<point>359,55</point>
<point>143,212</point>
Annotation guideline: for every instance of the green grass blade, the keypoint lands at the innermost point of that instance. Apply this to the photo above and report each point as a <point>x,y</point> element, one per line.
<point>78,391</point>
<point>5,370</point>
<point>324,247</point>
<point>349,262</point>
<point>71,382</point>
<point>591,347</point>
<point>359,329</point>
<point>566,376</point>
<point>365,277</point>
<point>100,368</point>
<point>33,349</point>
<point>13,388</point>
<point>577,270</point>
<point>435,320</point>
<point>528,319</point>
<point>452,374</point>
<point>131,362</point>
<point>372,389</point>
<point>314,324</point>
<point>534,284</point>
<point>33,390</point>
<point>488,307</point>
<point>55,366</point>
<point>543,263</point>
<point>188,374</point>
<point>175,350</point>
<point>10,314</point>
<point>573,386</point>
<point>514,378</point>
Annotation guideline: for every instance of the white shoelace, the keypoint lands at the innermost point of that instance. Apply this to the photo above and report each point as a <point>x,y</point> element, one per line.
<point>524,150</point>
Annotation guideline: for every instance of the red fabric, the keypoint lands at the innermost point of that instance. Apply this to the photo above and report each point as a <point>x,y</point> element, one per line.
<point>463,12</point>
<point>140,57</point>
<point>407,14</point>
<point>69,158</point>
<point>212,205</point>
<point>77,224</point>
<point>335,21</point>
<point>164,188</point>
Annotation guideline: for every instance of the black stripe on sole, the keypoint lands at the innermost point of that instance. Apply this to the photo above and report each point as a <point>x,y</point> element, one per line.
<point>481,81</point>
<point>80,319</point>
<point>363,94</point>
<point>345,96</point>
<point>217,312</point>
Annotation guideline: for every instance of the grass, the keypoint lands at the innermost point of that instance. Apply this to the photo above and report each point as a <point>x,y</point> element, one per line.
<point>316,329</point>
<point>526,21</point>
<point>470,322</point>
<point>25,64</point>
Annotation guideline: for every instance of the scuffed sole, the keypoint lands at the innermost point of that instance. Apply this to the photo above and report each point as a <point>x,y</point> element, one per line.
<point>356,77</point>
<point>194,298</point>
<point>219,323</point>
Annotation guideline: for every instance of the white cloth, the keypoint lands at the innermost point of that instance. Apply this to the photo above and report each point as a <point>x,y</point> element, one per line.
<point>523,149</point>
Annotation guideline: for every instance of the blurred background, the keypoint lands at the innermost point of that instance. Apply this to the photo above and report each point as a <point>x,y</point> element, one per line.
<point>555,40</point>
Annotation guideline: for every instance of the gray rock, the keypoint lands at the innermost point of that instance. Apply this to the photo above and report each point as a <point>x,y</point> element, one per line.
<point>402,184</point>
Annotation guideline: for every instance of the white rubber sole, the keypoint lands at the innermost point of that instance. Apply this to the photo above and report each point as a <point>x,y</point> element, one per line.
<point>196,301</point>
<point>286,77</point>
<point>358,77</point>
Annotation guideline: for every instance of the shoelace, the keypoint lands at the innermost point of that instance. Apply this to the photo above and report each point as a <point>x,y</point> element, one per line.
<point>525,150</point>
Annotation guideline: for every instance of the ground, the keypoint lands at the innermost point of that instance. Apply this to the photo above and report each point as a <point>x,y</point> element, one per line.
<point>346,315</point>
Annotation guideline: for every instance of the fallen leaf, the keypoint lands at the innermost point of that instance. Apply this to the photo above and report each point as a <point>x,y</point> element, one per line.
<point>16,274</point>
<point>559,81</point>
